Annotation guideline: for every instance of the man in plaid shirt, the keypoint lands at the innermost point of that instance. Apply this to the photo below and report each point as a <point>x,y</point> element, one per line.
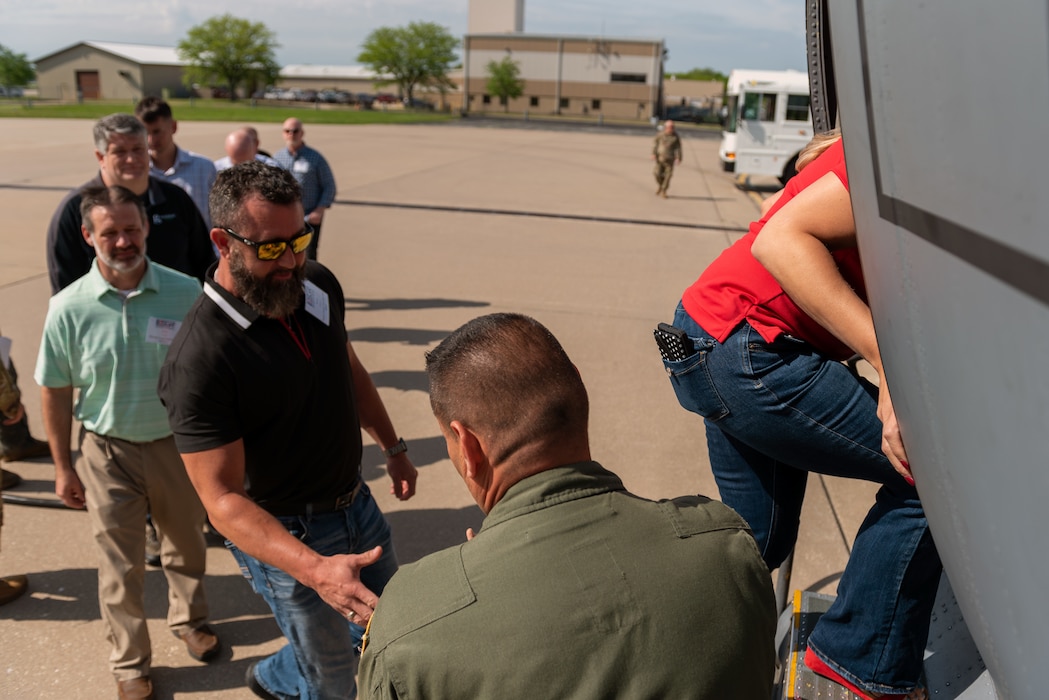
<point>313,175</point>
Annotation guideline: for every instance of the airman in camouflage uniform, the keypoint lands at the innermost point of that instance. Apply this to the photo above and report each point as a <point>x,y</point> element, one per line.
<point>666,151</point>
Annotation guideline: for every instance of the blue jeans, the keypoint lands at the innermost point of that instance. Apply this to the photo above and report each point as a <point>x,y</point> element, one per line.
<point>773,413</point>
<point>320,659</point>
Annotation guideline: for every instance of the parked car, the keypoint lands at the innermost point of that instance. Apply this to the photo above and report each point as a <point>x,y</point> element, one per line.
<point>689,113</point>
<point>415,103</point>
<point>365,100</point>
<point>386,98</point>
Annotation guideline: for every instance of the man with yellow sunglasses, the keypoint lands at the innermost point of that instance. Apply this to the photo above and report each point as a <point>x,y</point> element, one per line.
<point>266,398</point>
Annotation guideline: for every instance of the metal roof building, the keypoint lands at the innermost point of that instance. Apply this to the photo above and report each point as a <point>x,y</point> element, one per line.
<point>94,70</point>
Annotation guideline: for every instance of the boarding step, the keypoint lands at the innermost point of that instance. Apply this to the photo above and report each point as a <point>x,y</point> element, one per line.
<point>954,669</point>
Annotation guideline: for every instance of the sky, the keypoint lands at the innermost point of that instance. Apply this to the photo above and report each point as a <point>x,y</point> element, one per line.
<point>718,34</point>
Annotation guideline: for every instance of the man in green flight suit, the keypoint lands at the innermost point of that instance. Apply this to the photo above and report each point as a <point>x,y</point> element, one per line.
<point>666,151</point>
<point>573,587</point>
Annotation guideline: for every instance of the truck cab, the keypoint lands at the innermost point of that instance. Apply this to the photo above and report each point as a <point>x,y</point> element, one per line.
<point>768,122</point>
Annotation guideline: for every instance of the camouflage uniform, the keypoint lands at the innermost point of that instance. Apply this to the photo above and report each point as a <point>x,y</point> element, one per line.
<point>667,150</point>
<point>15,441</point>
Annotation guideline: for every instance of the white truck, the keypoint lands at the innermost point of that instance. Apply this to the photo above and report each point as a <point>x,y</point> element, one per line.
<point>767,123</point>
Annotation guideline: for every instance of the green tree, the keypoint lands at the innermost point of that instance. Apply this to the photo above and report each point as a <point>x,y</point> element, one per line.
<point>420,54</point>
<point>700,74</point>
<point>504,81</point>
<point>15,68</point>
<point>231,51</point>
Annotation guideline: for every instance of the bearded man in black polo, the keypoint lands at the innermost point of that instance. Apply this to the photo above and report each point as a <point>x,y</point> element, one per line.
<point>266,398</point>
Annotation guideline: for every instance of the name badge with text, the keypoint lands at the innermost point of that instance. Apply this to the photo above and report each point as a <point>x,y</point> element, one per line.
<point>317,302</point>
<point>161,330</point>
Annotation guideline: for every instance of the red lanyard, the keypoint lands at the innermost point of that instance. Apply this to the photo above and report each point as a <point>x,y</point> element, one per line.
<point>299,338</point>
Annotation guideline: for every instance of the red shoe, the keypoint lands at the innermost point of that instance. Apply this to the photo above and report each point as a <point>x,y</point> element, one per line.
<point>817,666</point>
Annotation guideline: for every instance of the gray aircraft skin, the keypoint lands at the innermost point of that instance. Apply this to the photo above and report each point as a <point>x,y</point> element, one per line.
<point>944,107</point>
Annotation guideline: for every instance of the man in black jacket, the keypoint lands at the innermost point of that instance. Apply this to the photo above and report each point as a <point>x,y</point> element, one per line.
<point>178,237</point>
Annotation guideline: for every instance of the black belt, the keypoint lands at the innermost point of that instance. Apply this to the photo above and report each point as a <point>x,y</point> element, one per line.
<point>328,505</point>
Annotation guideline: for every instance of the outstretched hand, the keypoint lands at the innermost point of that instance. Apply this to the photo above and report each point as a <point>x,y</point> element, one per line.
<point>338,583</point>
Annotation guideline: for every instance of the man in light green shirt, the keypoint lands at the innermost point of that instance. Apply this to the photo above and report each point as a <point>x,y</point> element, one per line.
<point>106,336</point>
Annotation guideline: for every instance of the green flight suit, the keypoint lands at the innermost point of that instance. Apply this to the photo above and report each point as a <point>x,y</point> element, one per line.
<point>575,588</point>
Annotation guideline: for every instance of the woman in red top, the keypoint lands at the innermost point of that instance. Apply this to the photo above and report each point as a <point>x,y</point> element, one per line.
<point>771,320</point>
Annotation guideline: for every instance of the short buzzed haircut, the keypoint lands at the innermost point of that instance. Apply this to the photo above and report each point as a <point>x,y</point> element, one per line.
<point>119,123</point>
<point>102,196</point>
<point>150,109</point>
<point>507,377</point>
<point>235,185</point>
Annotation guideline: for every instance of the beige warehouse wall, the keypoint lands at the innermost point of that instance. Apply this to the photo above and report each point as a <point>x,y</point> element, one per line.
<point>56,77</point>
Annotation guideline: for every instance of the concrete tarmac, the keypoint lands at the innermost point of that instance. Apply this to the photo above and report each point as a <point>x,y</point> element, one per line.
<point>433,225</point>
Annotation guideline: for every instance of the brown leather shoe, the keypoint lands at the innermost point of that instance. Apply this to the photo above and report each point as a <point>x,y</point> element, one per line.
<point>140,688</point>
<point>12,587</point>
<point>10,480</point>
<point>30,449</point>
<point>201,643</point>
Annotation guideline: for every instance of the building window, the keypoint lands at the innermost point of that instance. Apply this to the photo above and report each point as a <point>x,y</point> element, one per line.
<point>595,104</point>
<point>502,101</point>
<point>629,78</point>
<point>564,103</point>
<point>533,101</point>
<point>487,99</point>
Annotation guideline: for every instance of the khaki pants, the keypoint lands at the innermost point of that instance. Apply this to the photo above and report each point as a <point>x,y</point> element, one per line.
<point>122,480</point>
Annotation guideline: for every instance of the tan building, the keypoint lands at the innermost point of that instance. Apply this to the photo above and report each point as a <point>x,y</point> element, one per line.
<point>96,70</point>
<point>491,16</point>
<point>617,78</point>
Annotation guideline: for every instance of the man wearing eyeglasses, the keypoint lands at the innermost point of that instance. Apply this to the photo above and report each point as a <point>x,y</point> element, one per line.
<point>267,399</point>
<point>178,236</point>
<point>105,337</point>
<point>312,173</point>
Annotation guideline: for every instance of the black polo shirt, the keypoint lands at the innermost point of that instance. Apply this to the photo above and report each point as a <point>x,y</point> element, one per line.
<point>178,236</point>
<point>233,374</point>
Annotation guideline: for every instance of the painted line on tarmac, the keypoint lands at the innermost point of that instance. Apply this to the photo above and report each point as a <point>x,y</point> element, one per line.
<point>743,183</point>
<point>42,188</point>
<point>542,215</point>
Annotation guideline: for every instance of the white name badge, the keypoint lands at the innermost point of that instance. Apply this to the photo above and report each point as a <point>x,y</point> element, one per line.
<point>317,302</point>
<point>300,166</point>
<point>161,330</point>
